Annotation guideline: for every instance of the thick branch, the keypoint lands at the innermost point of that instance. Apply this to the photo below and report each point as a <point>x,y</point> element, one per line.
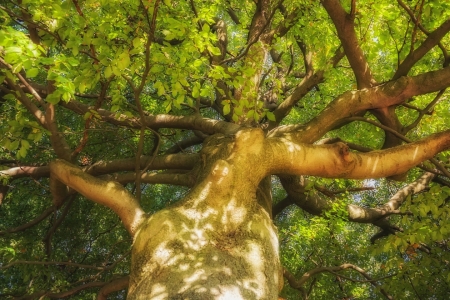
<point>25,171</point>
<point>302,89</point>
<point>59,143</point>
<point>350,103</point>
<point>153,178</point>
<point>183,144</point>
<point>110,194</point>
<point>352,146</point>
<point>113,286</point>
<point>280,206</point>
<point>337,161</point>
<point>194,122</point>
<point>365,215</point>
<point>345,29</point>
<point>233,16</point>
<point>432,40</point>
<point>317,205</point>
<point>162,162</point>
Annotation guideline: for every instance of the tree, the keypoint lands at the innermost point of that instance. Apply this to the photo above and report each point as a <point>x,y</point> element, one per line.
<point>202,125</point>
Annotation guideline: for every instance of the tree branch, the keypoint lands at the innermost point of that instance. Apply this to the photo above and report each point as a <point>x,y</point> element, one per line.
<point>336,160</point>
<point>350,103</point>
<point>422,112</point>
<point>71,292</point>
<point>183,144</point>
<point>413,57</point>
<point>113,286</point>
<point>47,121</point>
<point>153,178</point>
<point>50,263</point>
<point>30,224</point>
<point>110,194</point>
<point>316,205</point>
<point>48,237</point>
<point>309,81</point>
<point>413,18</point>
<point>194,122</point>
<point>345,29</point>
<point>3,191</point>
<point>297,284</point>
<point>161,162</point>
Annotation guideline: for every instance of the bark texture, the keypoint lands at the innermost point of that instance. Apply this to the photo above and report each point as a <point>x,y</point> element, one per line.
<point>218,242</point>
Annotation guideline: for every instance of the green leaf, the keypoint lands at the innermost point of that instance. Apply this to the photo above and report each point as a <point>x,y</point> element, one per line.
<point>226,109</point>
<point>124,60</point>
<point>82,87</point>
<point>66,96</point>
<point>54,97</point>
<point>196,90</point>
<point>116,70</point>
<point>270,116</point>
<point>22,153</point>
<point>73,61</point>
<point>197,63</point>
<point>108,71</point>
<point>156,69</point>
<point>160,87</point>
<point>17,68</point>
<point>25,144</point>
<point>137,42</point>
<point>13,145</point>
<point>31,73</point>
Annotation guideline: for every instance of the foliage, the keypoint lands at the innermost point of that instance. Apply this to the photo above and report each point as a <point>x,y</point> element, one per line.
<point>104,66</point>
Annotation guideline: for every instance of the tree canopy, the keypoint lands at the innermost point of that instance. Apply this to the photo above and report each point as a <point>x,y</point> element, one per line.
<point>333,114</point>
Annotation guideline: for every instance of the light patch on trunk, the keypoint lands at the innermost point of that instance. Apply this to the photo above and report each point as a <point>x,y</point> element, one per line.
<point>254,256</point>
<point>159,292</point>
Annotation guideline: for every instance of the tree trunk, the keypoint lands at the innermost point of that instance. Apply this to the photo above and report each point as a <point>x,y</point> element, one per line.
<point>193,251</point>
<point>216,243</point>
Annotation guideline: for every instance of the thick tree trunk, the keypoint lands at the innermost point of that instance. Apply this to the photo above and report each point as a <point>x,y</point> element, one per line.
<point>216,243</point>
<point>193,251</point>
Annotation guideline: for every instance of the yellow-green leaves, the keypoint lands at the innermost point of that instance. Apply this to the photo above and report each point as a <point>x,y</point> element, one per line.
<point>124,60</point>
<point>270,116</point>
<point>226,107</point>
<point>33,72</point>
<point>19,52</point>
